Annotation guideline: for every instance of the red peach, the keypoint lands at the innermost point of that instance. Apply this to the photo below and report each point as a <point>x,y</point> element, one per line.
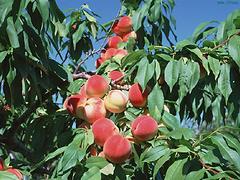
<point>116,75</point>
<point>144,128</point>
<point>99,61</point>
<point>121,53</point>
<point>93,110</point>
<point>123,25</point>
<point>116,29</point>
<point>15,172</point>
<point>131,34</point>
<point>71,103</point>
<point>103,129</point>
<point>1,165</point>
<point>109,53</point>
<point>115,101</point>
<point>114,41</point>
<point>136,96</point>
<point>117,149</point>
<point>101,154</point>
<point>96,86</point>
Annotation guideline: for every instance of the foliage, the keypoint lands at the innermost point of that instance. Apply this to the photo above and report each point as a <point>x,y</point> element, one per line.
<point>199,137</point>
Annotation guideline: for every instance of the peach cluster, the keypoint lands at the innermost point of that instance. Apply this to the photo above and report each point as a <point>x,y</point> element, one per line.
<point>95,101</point>
<point>10,169</point>
<point>123,31</point>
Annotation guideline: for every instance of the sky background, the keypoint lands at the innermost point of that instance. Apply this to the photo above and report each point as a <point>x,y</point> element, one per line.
<point>188,13</point>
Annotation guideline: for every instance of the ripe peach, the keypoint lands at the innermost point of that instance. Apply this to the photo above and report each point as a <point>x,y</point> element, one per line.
<point>123,25</point>
<point>121,53</point>
<point>136,96</point>
<point>114,41</point>
<point>116,75</point>
<point>1,165</point>
<point>131,34</point>
<point>144,128</point>
<point>71,103</point>
<point>96,86</point>
<point>103,129</point>
<point>117,149</point>
<point>15,172</point>
<point>101,154</point>
<point>99,61</point>
<point>93,110</point>
<point>115,101</point>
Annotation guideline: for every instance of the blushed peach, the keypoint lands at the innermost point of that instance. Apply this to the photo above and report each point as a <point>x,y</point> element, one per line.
<point>93,110</point>
<point>110,52</point>
<point>1,165</point>
<point>15,172</point>
<point>101,154</point>
<point>123,25</point>
<point>144,128</point>
<point>114,41</point>
<point>71,103</point>
<point>117,149</point>
<point>115,101</point>
<point>103,129</point>
<point>131,34</point>
<point>96,86</point>
<point>121,53</point>
<point>116,75</point>
<point>136,96</point>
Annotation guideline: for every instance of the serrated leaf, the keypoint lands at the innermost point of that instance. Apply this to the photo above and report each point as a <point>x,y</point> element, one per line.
<point>214,65</point>
<point>176,170</point>
<point>228,154</point>
<point>234,49</point>
<point>155,102</point>
<point>145,72</point>
<point>224,82</point>
<point>171,73</point>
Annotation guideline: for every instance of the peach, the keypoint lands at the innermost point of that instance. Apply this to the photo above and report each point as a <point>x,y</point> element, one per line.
<point>71,103</point>
<point>121,53</point>
<point>93,110</point>
<point>96,86</point>
<point>99,61</point>
<point>116,75</point>
<point>109,53</point>
<point>114,41</point>
<point>123,25</point>
<point>15,172</point>
<point>136,96</point>
<point>131,34</point>
<point>103,129</point>
<point>117,149</point>
<point>1,165</point>
<point>144,128</point>
<point>115,101</point>
<point>101,154</point>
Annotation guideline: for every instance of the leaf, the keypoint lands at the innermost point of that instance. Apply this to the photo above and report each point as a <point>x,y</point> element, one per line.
<point>185,43</point>
<point>232,142</point>
<point>182,149</point>
<point>195,75</point>
<point>228,154</point>
<point>4,175</point>
<point>133,57</point>
<point>43,7</point>
<point>153,154</point>
<point>96,162</point>
<point>176,170</point>
<point>108,169</point>
<point>5,7</point>
<point>137,17</point>
<point>155,102</point>
<point>89,17</point>
<point>171,73</point>
<point>214,65</point>
<point>170,121</point>
<point>78,34</point>
<point>11,76</point>
<point>160,163</point>
<point>180,133</point>
<point>234,49</point>
<point>196,175</point>
<point>145,72</point>
<point>3,54</point>
<point>224,82</point>
<point>92,174</point>
<point>55,153</point>
<point>12,33</point>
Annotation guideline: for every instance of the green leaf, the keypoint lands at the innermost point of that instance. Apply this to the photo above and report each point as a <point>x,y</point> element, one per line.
<point>5,7</point>
<point>55,153</point>
<point>145,72</point>
<point>214,65</point>
<point>170,121</point>
<point>196,175</point>
<point>99,162</point>
<point>182,149</point>
<point>176,170</point>
<point>171,73</point>
<point>232,142</point>
<point>89,17</point>
<point>153,154</point>
<point>155,102</point>
<point>12,33</point>
<point>11,76</point>
<point>4,175</point>
<point>180,133</point>
<point>138,17</point>
<point>92,174</point>
<point>160,163</point>
<point>133,57</point>
<point>43,7</point>
<point>78,34</point>
<point>185,43</point>
<point>195,75</point>
<point>228,154</point>
<point>224,82</point>
<point>234,49</point>
<point>3,54</point>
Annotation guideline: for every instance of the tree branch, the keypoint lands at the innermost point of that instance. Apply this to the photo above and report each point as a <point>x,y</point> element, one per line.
<point>208,168</point>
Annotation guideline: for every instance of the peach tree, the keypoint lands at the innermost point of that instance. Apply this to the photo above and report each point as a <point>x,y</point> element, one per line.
<point>154,108</point>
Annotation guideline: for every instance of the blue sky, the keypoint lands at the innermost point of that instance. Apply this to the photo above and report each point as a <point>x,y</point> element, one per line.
<point>188,13</point>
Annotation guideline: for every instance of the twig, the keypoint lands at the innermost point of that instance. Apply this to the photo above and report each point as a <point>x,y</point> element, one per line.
<point>225,41</point>
<point>209,168</point>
